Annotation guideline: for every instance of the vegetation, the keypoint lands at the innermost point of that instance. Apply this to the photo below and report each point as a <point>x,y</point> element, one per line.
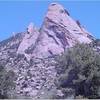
<point>6,83</point>
<point>79,71</point>
<point>78,75</point>
<point>96,42</point>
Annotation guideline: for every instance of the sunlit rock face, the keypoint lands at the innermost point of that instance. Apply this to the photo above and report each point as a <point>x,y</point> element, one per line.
<point>29,41</point>
<point>57,14</point>
<point>31,54</point>
<point>58,32</point>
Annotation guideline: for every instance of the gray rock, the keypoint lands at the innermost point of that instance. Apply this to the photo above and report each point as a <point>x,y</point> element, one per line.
<point>31,54</point>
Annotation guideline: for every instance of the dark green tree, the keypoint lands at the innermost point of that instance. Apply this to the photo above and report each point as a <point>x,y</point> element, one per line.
<point>78,68</point>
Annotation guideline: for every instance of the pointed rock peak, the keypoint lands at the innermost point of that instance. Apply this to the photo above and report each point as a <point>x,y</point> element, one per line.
<point>56,12</point>
<point>30,28</point>
<point>28,40</point>
<point>58,8</point>
<point>55,6</point>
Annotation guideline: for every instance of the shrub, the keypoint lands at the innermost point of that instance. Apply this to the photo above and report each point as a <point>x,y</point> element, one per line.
<point>78,68</point>
<point>6,83</point>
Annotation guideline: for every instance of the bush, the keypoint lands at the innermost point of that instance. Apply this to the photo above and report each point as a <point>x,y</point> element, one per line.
<point>79,69</point>
<point>6,83</point>
<point>96,42</point>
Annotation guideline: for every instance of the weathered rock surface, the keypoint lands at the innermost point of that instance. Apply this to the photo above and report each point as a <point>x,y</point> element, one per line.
<point>58,32</point>
<point>31,54</point>
<point>29,41</point>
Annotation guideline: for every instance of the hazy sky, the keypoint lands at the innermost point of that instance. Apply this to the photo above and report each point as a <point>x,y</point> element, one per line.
<point>16,15</point>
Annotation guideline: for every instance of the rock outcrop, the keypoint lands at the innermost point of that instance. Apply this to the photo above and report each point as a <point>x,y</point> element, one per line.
<point>31,54</point>
<point>58,32</point>
<point>29,41</point>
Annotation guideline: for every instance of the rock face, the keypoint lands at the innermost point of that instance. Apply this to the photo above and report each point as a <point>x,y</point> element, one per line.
<point>31,54</point>
<point>58,32</point>
<point>28,41</point>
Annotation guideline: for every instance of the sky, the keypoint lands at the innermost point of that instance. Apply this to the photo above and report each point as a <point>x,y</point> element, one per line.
<point>15,15</point>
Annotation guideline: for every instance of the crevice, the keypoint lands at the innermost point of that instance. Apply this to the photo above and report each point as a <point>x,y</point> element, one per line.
<point>49,35</point>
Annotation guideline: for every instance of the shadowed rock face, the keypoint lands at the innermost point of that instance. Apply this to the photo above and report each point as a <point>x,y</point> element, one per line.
<point>31,54</point>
